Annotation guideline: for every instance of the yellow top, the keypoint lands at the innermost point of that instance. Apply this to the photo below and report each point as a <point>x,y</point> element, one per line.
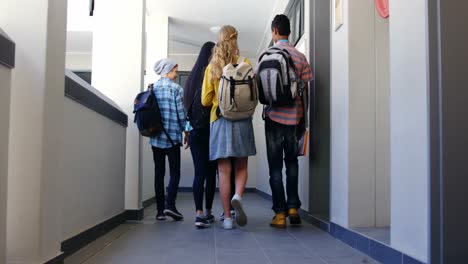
<point>209,96</point>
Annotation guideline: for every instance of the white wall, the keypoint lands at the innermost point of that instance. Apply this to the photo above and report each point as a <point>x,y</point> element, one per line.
<point>339,120</point>
<point>77,61</point>
<point>5,86</point>
<point>94,179</point>
<point>121,77</point>
<point>157,43</point>
<point>34,180</point>
<point>278,9</point>
<point>147,170</point>
<point>409,127</point>
<point>156,46</point>
<point>185,61</point>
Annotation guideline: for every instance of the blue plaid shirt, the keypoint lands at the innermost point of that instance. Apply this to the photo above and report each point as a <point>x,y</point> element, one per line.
<point>169,96</point>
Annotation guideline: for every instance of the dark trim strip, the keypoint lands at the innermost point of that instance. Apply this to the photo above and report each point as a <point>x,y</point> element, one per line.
<point>7,51</point>
<point>264,195</point>
<point>435,192</point>
<point>57,260</point>
<point>319,105</point>
<point>135,215</point>
<point>324,225</point>
<point>81,240</point>
<point>85,97</point>
<point>368,246</point>
<point>149,202</point>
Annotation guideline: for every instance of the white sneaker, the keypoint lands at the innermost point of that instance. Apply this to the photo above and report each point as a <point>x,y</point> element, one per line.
<point>236,203</point>
<point>227,223</point>
<point>233,216</point>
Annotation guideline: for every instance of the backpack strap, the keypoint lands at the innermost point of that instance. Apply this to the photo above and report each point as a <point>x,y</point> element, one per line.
<point>167,135</point>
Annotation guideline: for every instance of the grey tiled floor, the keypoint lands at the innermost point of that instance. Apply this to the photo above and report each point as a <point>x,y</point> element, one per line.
<point>179,242</point>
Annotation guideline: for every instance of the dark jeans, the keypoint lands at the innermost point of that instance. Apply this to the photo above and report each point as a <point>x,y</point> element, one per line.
<point>281,138</point>
<point>205,170</point>
<point>159,156</point>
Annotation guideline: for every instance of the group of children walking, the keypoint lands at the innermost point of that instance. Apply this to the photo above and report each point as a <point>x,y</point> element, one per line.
<point>214,113</point>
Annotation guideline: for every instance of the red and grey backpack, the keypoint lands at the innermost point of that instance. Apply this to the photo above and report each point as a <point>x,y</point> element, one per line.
<point>277,82</point>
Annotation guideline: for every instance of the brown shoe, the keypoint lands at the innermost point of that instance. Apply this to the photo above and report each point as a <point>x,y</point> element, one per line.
<point>294,218</point>
<point>279,221</point>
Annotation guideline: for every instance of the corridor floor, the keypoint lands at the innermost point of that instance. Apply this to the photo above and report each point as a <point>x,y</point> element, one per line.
<point>179,242</point>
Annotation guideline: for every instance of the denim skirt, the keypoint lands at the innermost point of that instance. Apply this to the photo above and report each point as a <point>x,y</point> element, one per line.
<point>232,139</point>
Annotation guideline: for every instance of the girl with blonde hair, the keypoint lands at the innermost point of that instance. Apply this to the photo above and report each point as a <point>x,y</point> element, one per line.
<point>231,142</point>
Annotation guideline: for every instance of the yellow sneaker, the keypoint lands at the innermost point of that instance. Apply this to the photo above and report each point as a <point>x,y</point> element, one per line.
<point>279,221</point>
<point>294,218</point>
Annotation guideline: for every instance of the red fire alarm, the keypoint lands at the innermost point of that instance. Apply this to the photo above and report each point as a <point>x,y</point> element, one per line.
<point>382,8</point>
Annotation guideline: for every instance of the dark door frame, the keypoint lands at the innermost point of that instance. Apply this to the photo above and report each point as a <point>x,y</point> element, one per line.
<point>448,111</point>
<point>320,52</point>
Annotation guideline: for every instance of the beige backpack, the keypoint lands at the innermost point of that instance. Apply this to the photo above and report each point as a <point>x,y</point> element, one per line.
<point>238,95</point>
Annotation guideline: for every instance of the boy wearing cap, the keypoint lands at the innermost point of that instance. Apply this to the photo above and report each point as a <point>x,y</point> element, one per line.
<point>169,97</point>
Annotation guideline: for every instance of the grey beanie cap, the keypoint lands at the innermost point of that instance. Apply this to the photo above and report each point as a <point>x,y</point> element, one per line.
<point>164,66</point>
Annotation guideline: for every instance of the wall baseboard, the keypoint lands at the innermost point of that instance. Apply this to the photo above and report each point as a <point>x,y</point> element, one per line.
<point>263,195</point>
<point>317,222</point>
<point>60,259</point>
<point>81,240</point>
<point>135,215</point>
<point>371,247</point>
<point>149,202</point>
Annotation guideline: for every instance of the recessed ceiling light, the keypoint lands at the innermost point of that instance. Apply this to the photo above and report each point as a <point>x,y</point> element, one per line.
<point>215,29</point>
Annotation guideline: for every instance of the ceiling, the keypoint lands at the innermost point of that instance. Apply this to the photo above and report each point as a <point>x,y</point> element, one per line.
<point>189,27</point>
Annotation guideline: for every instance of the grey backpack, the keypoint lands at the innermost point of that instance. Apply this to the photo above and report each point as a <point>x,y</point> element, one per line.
<point>277,82</point>
<point>238,95</point>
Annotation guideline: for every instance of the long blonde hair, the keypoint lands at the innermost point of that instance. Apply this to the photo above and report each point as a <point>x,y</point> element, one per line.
<point>225,51</point>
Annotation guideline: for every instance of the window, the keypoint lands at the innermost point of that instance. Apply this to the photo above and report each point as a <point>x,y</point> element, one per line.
<point>296,15</point>
<point>182,78</point>
<point>295,12</point>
